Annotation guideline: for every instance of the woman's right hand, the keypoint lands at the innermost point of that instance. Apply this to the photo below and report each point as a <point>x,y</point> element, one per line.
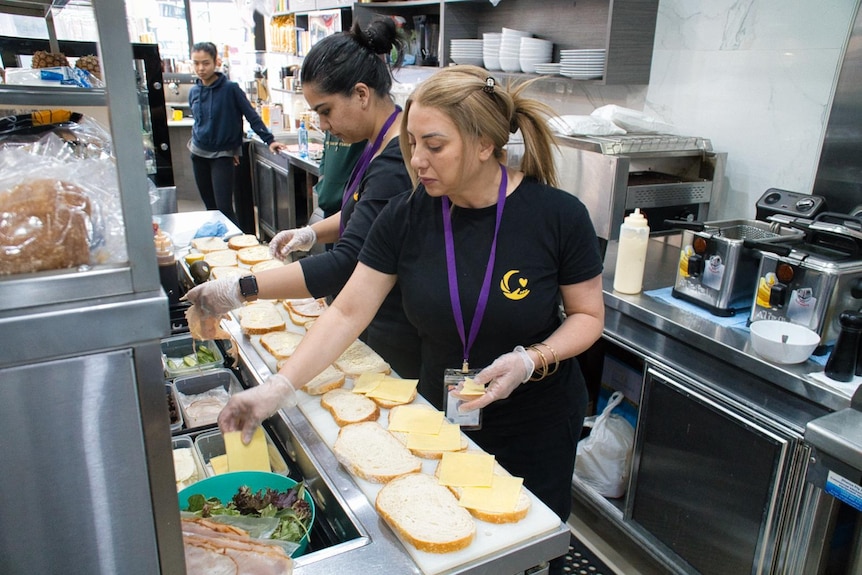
<point>287,241</point>
<point>246,410</point>
<point>216,297</point>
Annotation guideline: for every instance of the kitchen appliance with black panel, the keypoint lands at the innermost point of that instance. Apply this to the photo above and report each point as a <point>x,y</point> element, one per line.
<point>666,176</point>
<point>810,282</point>
<point>717,271</point>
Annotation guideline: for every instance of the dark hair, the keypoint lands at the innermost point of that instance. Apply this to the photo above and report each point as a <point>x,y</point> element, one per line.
<point>207,47</point>
<point>338,62</point>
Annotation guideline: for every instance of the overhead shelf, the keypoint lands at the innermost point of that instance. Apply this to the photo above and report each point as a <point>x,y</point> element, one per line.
<point>48,96</point>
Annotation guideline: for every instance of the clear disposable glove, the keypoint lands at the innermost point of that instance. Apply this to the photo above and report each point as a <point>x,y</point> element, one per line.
<point>284,242</point>
<point>502,377</point>
<point>246,410</point>
<point>216,297</point>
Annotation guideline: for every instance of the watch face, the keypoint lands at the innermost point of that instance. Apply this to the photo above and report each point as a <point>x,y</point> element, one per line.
<point>248,286</point>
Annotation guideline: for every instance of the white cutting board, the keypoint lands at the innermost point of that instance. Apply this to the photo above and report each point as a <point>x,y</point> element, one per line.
<point>490,538</point>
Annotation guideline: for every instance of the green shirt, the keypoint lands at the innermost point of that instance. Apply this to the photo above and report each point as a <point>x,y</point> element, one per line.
<point>337,163</point>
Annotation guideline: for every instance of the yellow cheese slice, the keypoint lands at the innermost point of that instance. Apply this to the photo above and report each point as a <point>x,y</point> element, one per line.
<point>394,389</point>
<point>251,457</point>
<point>367,382</point>
<point>501,497</point>
<point>466,469</point>
<point>471,388</point>
<point>416,419</point>
<point>219,463</point>
<point>447,439</point>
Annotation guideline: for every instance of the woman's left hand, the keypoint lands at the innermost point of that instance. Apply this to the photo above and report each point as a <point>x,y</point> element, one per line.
<point>502,377</point>
<point>276,147</point>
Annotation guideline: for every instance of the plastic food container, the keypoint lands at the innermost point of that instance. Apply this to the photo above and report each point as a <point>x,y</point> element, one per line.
<point>182,346</point>
<point>185,442</point>
<point>211,444</point>
<point>174,408</point>
<point>202,396</point>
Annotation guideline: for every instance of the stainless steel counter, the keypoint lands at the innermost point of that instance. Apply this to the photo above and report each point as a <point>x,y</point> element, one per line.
<point>729,345</point>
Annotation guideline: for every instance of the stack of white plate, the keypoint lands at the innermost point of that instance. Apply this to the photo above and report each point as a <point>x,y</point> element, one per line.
<point>534,51</point>
<point>510,49</point>
<point>491,49</point>
<point>549,68</point>
<point>586,64</point>
<point>466,52</point>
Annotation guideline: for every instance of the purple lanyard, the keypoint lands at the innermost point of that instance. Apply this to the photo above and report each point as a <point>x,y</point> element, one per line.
<point>489,270</point>
<point>362,166</point>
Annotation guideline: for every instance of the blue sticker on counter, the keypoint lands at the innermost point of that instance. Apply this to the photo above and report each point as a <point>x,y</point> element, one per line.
<point>844,490</point>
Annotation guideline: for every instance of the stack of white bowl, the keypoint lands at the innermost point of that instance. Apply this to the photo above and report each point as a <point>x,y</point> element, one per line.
<point>491,49</point>
<point>586,64</point>
<point>510,49</point>
<point>466,52</point>
<point>534,51</point>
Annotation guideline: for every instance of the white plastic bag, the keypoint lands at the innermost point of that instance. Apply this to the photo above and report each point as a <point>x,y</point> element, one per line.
<point>633,121</point>
<point>571,125</point>
<point>604,456</point>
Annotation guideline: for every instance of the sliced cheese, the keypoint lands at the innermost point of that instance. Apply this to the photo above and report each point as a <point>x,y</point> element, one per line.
<point>447,439</point>
<point>416,419</point>
<point>466,469</point>
<point>395,390</point>
<point>367,382</point>
<point>471,388</point>
<point>184,465</point>
<point>500,497</point>
<point>251,457</point>
<point>219,464</point>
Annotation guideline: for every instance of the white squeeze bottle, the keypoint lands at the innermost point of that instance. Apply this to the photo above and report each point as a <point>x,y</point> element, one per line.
<point>631,255</point>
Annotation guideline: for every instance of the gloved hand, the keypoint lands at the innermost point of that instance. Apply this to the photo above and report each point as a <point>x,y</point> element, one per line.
<point>216,297</point>
<point>287,241</point>
<point>246,410</point>
<point>506,373</point>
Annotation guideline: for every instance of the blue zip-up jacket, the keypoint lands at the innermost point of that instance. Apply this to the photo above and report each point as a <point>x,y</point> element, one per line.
<point>218,110</point>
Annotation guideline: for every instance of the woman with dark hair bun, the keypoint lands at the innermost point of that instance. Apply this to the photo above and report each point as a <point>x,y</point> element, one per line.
<point>346,80</point>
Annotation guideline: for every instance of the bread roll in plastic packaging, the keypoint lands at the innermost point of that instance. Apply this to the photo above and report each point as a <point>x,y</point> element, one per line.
<point>59,194</point>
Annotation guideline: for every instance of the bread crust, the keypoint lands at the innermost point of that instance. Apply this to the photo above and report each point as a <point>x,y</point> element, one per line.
<point>253,255</point>
<point>327,380</point>
<point>332,403</point>
<point>377,444</point>
<point>259,318</point>
<point>242,241</point>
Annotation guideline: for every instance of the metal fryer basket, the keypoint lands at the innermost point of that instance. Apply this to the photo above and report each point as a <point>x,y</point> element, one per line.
<point>750,230</point>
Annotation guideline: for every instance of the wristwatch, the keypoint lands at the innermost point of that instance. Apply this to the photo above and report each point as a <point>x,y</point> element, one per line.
<point>248,287</point>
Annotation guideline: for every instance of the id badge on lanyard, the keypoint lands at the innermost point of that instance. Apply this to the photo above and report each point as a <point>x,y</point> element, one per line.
<point>452,380</point>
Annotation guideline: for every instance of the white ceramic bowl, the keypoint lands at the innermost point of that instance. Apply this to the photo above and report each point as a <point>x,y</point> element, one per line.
<point>766,339</point>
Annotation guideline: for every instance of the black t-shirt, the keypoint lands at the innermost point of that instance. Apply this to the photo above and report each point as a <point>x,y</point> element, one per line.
<point>546,239</point>
<point>326,273</point>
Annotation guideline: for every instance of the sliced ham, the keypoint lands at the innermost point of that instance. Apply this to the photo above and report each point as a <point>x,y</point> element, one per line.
<point>204,539</point>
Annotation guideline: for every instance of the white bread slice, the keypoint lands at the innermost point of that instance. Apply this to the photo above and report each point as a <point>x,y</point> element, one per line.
<point>306,310</point>
<point>242,241</point>
<point>347,407</point>
<point>425,514</point>
<point>266,265</point>
<point>520,511</point>
<point>210,244</point>
<point>328,379</point>
<point>260,317</point>
<point>370,452</point>
<point>253,255</point>
<point>402,436</point>
<point>223,257</point>
<point>281,344</point>
<point>359,358</point>
<point>219,272</point>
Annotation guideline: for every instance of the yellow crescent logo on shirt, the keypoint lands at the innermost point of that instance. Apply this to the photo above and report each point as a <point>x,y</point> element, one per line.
<point>520,291</point>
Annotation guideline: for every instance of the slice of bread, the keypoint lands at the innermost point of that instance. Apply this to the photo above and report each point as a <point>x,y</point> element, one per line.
<point>219,272</point>
<point>359,358</point>
<point>253,255</point>
<point>260,317</point>
<point>402,436</point>
<point>303,311</point>
<point>425,514</point>
<point>210,244</point>
<point>520,511</point>
<point>372,453</point>
<point>347,407</point>
<point>223,257</point>
<point>281,344</point>
<point>266,265</point>
<point>328,379</point>
<point>242,241</point>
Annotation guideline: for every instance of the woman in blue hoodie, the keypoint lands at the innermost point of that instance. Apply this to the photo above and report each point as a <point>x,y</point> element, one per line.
<point>218,106</point>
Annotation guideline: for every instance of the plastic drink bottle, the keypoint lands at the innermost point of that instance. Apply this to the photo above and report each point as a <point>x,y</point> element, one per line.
<point>631,255</point>
<point>303,140</point>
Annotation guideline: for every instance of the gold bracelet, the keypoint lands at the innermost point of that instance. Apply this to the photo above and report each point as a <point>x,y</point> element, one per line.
<point>556,357</point>
<point>543,371</point>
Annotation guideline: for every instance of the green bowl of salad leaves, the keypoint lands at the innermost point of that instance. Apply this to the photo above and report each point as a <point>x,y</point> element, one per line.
<point>268,506</point>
